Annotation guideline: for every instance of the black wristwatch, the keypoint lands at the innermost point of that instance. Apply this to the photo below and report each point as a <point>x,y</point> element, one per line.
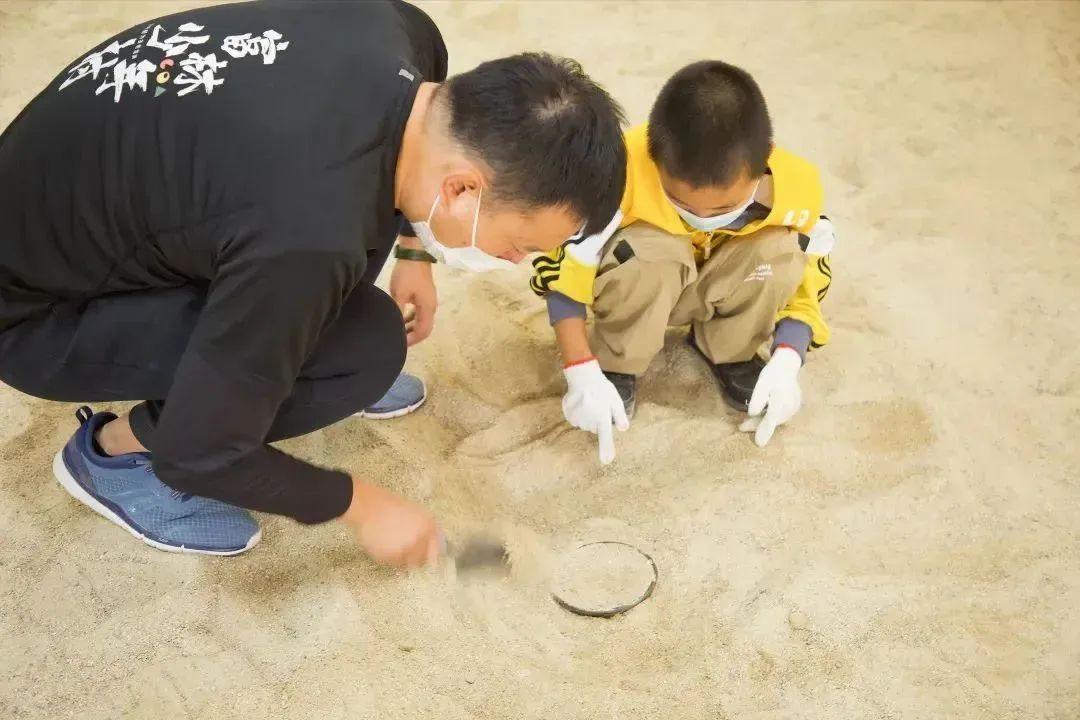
<point>404,253</point>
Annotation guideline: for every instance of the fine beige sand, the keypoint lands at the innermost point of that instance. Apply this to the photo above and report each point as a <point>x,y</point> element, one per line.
<point>602,578</point>
<point>909,547</point>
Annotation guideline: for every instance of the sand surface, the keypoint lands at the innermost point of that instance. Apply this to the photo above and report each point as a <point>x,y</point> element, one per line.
<point>908,548</point>
<point>602,578</point>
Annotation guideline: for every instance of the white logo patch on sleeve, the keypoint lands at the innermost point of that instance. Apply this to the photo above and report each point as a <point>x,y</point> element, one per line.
<point>822,238</point>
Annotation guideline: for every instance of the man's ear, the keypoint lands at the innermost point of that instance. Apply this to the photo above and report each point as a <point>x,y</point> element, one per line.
<point>459,183</point>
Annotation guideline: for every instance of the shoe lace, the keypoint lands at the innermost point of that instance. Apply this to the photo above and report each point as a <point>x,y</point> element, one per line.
<point>173,492</point>
<point>181,495</point>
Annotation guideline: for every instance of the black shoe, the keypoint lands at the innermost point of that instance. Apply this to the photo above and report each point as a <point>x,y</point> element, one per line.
<point>627,387</point>
<point>737,379</point>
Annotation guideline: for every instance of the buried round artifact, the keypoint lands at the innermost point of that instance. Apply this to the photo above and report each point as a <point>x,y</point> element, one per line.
<point>603,579</point>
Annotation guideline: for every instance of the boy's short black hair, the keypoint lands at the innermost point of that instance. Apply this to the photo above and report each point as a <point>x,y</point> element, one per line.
<point>551,135</point>
<point>709,124</point>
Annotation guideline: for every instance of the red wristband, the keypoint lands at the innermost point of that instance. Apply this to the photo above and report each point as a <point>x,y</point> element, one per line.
<point>579,362</point>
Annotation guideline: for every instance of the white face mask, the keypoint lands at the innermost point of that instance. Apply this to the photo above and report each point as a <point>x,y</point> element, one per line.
<point>708,224</point>
<point>470,257</point>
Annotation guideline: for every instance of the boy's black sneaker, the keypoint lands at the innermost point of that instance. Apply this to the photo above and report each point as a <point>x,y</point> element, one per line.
<point>627,387</point>
<point>736,379</point>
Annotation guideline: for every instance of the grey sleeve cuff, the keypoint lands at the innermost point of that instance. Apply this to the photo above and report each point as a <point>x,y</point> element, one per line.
<point>793,333</point>
<point>561,307</point>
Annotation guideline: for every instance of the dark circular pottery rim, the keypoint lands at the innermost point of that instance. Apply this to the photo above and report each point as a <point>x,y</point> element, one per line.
<point>618,609</point>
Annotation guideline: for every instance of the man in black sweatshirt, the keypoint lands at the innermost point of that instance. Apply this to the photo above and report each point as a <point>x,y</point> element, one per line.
<point>192,215</point>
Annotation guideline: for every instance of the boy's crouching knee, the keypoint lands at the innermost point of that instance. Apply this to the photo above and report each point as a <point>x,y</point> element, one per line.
<point>647,257</point>
<point>774,254</point>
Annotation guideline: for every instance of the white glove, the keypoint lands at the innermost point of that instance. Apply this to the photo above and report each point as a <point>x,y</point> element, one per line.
<point>592,403</point>
<point>776,393</point>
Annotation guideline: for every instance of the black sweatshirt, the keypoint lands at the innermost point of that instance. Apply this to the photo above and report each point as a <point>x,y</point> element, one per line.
<point>249,149</point>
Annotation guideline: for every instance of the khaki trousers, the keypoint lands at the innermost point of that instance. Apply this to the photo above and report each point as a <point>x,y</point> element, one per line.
<point>648,281</point>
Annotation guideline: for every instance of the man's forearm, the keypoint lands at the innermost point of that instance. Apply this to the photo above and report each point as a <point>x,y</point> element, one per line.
<point>226,460</point>
<point>409,242</point>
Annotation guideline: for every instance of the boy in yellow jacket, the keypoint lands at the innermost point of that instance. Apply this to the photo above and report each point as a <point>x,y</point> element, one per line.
<point>718,229</point>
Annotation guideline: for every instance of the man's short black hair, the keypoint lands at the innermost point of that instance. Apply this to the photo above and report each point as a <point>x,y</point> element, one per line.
<point>551,135</point>
<point>709,124</point>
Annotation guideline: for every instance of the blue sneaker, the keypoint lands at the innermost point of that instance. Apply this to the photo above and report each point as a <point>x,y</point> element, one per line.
<point>404,396</point>
<point>125,490</point>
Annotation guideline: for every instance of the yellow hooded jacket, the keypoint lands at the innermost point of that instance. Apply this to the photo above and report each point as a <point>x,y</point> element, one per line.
<point>796,203</point>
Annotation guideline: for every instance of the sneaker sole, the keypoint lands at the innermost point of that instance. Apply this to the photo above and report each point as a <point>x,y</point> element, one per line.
<point>392,413</point>
<point>77,491</point>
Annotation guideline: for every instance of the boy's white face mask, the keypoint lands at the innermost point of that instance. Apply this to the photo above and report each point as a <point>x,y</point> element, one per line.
<point>470,257</point>
<point>708,224</point>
